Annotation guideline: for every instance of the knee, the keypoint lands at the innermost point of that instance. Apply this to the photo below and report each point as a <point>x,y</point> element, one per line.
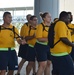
<point>42,65</point>
<point>48,63</point>
<point>31,64</point>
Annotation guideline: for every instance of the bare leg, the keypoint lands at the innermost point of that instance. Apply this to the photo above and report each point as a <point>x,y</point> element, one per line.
<point>11,72</point>
<point>2,72</point>
<point>29,67</point>
<point>20,66</point>
<point>41,68</point>
<point>47,69</point>
<point>34,68</point>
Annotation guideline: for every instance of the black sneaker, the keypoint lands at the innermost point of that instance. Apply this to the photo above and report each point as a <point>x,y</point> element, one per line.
<point>17,74</point>
<point>34,73</point>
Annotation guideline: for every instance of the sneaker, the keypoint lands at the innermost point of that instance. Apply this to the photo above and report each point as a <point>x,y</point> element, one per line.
<point>34,73</point>
<point>17,74</point>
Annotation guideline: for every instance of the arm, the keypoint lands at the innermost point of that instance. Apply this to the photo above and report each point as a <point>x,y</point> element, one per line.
<point>21,41</point>
<point>39,34</point>
<point>29,37</point>
<point>42,39</point>
<point>67,42</point>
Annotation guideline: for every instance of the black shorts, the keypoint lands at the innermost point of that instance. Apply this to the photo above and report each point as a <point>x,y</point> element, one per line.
<point>62,65</point>
<point>72,53</point>
<point>22,51</point>
<point>8,59</point>
<point>31,54</point>
<point>42,52</point>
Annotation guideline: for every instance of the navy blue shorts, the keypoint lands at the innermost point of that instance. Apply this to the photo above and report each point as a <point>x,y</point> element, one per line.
<point>22,51</point>
<point>8,59</point>
<point>42,52</point>
<point>62,65</point>
<point>31,54</point>
<point>72,53</point>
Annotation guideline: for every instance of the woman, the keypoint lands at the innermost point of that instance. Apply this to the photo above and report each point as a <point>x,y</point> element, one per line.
<point>42,48</point>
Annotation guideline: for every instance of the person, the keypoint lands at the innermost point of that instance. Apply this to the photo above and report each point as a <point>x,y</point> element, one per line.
<point>60,53</point>
<point>71,28</point>
<point>55,19</point>
<point>31,40</point>
<point>23,48</point>
<point>42,48</point>
<point>8,34</point>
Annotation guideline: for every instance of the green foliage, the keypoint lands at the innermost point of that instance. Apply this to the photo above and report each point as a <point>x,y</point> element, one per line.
<point>18,25</point>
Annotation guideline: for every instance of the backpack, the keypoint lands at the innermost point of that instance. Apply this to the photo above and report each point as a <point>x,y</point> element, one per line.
<point>12,29</point>
<point>26,23</point>
<point>51,34</point>
<point>44,27</point>
<point>30,29</point>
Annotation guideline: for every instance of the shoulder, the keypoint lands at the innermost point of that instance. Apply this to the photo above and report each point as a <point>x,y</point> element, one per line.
<point>60,24</point>
<point>24,25</point>
<point>71,25</point>
<point>40,25</point>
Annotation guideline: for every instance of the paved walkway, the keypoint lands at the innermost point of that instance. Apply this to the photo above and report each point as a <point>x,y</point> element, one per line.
<point>23,71</point>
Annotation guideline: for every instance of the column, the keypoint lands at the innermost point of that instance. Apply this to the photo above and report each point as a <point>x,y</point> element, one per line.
<point>51,6</point>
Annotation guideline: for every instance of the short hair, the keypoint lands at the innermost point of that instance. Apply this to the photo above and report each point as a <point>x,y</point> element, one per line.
<point>70,16</point>
<point>28,15</point>
<point>70,13</point>
<point>32,17</point>
<point>63,14</point>
<point>6,13</point>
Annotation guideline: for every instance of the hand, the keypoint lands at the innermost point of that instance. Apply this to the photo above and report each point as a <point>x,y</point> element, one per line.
<point>23,41</point>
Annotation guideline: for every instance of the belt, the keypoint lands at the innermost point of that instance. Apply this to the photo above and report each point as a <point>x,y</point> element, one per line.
<point>43,43</point>
<point>59,54</point>
<point>31,45</point>
<point>6,49</point>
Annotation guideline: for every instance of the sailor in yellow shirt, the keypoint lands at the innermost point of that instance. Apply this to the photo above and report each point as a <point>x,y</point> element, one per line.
<point>61,60</point>
<point>71,28</point>
<point>31,40</point>
<point>42,48</point>
<point>23,48</point>
<point>8,34</point>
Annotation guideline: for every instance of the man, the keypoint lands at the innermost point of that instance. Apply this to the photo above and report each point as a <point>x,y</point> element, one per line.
<point>71,28</point>
<point>8,57</point>
<point>23,48</point>
<point>61,60</point>
<point>31,40</point>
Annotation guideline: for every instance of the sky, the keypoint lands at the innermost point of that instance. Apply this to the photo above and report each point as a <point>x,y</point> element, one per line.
<point>16,3</point>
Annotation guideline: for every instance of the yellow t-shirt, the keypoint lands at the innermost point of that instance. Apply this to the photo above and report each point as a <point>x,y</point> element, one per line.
<point>71,26</point>
<point>31,32</point>
<point>23,30</point>
<point>7,37</point>
<point>61,30</point>
<point>40,33</point>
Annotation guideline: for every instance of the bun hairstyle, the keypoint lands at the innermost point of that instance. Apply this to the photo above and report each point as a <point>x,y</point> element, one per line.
<point>43,15</point>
